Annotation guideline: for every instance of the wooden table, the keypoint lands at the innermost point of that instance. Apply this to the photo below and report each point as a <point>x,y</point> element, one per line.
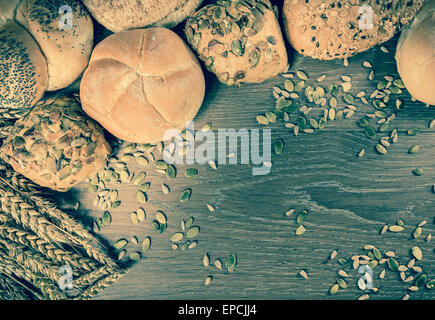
<point>349,200</point>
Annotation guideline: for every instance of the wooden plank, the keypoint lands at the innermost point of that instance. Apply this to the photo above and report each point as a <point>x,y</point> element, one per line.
<point>349,200</point>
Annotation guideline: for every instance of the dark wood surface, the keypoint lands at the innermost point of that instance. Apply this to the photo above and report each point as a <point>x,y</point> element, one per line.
<point>349,200</point>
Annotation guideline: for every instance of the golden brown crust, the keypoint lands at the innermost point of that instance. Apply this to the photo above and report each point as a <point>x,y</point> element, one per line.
<point>23,68</point>
<point>337,29</point>
<point>120,15</point>
<point>239,41</point>
<point>415,55</point>
<point>137,88</point>
<point>56,145</point>
<point>67,47</point>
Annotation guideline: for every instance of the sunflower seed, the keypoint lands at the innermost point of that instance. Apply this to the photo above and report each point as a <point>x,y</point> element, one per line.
<point>185,195</point>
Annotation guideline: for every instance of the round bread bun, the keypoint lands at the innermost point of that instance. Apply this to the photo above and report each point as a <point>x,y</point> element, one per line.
<point>56,145</point>
<point>23,68</point>
<point>120,15</point>
<point>66,44</point>
<point>142,82</point>
<point>62,29</point>
<point>329,30</point>
<point>415,55</point>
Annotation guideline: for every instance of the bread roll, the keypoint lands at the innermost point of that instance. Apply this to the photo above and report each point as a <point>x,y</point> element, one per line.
<point>55,145</point>
<point>120,15</point>
<point>239,41</point>
<point>63,30</point>
<point>142,82</point>
<point>415,55</point>
<point>340,29</point>
<point>23,68</point>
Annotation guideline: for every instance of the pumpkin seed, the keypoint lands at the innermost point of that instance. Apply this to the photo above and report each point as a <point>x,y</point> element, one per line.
<point>192,232</point>
<point>417,232</point>
<point>161,217</point>
<point>171,172</point>
<point>134,218</point>
<point>288,85</point>
<point>416,252</point>
<point>396,228</point>
<point>178,236</point>
<point>135,256</point>
<point>418,171</point>
<point>141,196</point>
<point>334,289</point>
<point>262,120</point>
<point>185,195</point>
<point>342,283</point>
<point>206,260</point>
<point>370,132</point>
<point>120,244</point>
<point>381,149</point>
<point>139,178</point>
<point>191,173</point>
<point>300,230</point>
<point>208,280</point>
<point>348,98</point>
<point>393,264</point>
<point>299,85</point>
<point>430,284</point>
<point>301,75</point>
<point>160,164</point>
<point>278,146</point>
<point>188,222</point>
<point>412,131</point>
<point>142,160</point>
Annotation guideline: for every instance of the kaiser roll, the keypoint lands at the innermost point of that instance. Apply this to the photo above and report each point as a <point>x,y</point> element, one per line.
<point>341,28</point>
<point>142,82</point>
<point>56,145</point>
<point>415,55</point>
<point>119,15</point>
<point>62,29</point>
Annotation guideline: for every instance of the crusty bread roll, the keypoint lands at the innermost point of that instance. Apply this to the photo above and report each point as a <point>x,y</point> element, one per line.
<point>63,30</point>
<point>240,41</point>
<point>142,82</point>
<point>120,15</point>
<point>23,68</point>
<point>56,145</point>
<point>342,28</point>
<point>415,55</point>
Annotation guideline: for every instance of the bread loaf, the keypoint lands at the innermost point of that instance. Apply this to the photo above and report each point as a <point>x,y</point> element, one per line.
<point>56,145</point>
<point>119,15</point>
<point>239,41</point>
<point>61,29</point>
<point>338,29</point>
<point>142,82</point>
<point>415,55</point>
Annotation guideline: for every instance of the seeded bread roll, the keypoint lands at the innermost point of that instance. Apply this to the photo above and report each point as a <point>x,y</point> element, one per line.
<point>56,145</point>
<point>61,28</point>
<point>328,30</point>
<point>239,41</point>
<point>415,55</point>
<point>120,15</point>
<point>142,82</point>
<point>23,69</point>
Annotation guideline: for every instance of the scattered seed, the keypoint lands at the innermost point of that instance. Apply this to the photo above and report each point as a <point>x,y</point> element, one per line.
<point>120,244</point>
<point>208,280</point>
<point>395,228</point>
<point>206,260</point>
<point>418,171</point>
<point>218,264</point>
<point>146,244</point>
<point>300,230</point>
<point>178,236</point>
<point>185,195</point>
<point>161,217</point>
<point>416,252</point>
<point>334,289</point>
<point>191,173</point>
<point>303,274</point>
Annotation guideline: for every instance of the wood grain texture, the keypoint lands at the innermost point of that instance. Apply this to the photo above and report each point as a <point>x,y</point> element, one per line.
<point>349,200</point>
